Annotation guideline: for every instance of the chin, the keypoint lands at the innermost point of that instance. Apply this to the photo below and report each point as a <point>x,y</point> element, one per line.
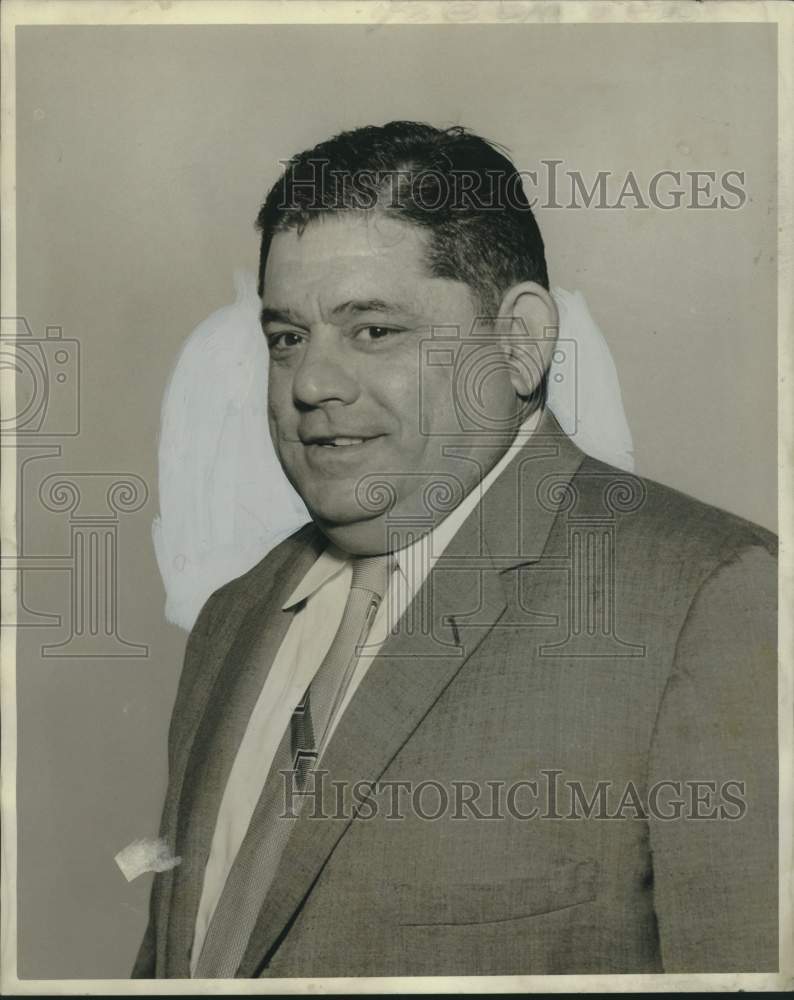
<point>330,511</point>
<point>346,502</point>
<point>358,538</point>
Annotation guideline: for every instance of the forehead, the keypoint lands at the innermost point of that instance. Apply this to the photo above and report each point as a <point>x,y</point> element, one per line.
<point>345,256</point>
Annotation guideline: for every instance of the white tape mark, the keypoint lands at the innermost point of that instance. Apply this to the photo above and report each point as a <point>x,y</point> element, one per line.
<point>147,855</point>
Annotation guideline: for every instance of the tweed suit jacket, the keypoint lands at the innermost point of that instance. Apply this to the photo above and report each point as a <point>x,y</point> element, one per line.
<point>585,629</point>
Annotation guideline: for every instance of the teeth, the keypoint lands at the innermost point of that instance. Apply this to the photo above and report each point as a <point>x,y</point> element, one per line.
<point>340,442</point>
<point>343,442</point>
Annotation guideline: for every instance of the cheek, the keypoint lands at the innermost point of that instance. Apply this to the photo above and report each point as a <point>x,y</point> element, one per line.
<point>279,396</point>
<point>498,395</point>
<point>438,398</point>
<point>393,385</point>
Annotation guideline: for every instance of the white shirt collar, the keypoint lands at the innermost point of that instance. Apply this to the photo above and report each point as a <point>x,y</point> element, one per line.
<point>333,561</point>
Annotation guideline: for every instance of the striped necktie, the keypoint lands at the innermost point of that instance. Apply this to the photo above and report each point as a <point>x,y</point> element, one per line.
<point>300,749</point>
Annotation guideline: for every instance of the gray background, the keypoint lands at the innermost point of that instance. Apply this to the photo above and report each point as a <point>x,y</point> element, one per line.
<point>142,157</point>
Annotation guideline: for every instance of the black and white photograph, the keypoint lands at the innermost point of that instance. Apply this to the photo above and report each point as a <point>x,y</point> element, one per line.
<point>396,497</point>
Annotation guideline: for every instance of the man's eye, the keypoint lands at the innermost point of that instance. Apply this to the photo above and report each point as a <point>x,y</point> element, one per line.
<point>370,333</point>
<point>284,340</point>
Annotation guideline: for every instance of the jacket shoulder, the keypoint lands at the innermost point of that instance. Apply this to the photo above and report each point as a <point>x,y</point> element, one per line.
<point>668,521</point>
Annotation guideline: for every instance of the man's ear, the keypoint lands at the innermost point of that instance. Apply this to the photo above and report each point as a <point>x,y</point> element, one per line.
<point>530,324</point>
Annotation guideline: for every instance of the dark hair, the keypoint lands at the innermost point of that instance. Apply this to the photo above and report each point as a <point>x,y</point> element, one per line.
<point>451,182</point>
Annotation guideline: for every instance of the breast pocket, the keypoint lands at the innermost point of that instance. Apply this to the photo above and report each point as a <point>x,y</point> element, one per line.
<point>558,886</point>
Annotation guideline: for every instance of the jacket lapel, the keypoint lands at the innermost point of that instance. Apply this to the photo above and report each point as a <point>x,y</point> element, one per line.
<point>460,602</point>
<point>230,695</point>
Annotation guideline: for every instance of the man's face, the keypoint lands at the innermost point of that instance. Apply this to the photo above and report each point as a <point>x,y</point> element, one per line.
<point>346,307</point>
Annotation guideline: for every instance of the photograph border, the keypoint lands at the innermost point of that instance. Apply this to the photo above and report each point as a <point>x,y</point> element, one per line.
<point>214,12</point>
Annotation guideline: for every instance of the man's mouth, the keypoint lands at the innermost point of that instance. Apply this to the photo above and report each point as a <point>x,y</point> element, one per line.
<point>339,442</point>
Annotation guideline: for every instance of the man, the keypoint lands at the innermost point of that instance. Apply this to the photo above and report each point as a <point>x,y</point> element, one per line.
<point>501,708</point>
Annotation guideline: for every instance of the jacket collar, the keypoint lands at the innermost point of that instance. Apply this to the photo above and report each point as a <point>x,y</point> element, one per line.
<point>517,514</point>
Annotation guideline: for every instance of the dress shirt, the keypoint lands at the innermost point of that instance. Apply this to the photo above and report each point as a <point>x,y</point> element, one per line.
<point>317,605</point>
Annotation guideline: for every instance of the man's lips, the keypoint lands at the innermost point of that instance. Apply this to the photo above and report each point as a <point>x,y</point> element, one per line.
<point>339,440</point>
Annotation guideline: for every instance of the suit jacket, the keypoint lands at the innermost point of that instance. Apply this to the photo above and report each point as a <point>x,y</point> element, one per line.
<point>585,628</point>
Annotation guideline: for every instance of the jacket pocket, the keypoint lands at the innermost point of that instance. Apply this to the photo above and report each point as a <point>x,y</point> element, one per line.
<point>559,885</point>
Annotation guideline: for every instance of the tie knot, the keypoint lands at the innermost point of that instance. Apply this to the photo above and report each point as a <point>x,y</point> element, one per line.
<point>372,573</point>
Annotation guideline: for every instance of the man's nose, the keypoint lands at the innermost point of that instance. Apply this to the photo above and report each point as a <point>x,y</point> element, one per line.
<point>324,376</point>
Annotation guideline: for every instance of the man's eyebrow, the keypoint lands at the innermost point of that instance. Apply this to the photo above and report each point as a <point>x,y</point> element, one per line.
<point>270,315</point>
<point>366,305</point>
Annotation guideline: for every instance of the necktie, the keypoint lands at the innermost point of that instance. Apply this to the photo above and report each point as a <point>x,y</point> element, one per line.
<point>300,748</point>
